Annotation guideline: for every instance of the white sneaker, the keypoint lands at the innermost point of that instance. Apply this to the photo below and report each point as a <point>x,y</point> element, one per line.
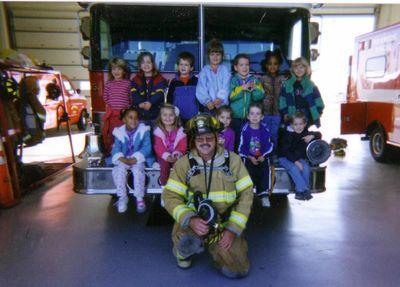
<point>265,202</point>
<point>122,204</point>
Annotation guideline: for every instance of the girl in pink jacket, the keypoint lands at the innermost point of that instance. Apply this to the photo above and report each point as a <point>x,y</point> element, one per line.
<point>170,141</point>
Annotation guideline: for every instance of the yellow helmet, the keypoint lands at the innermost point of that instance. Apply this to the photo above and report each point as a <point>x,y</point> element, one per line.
<point>201,124</point>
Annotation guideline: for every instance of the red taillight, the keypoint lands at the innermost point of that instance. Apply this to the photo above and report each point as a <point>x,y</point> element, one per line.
<point>349,92</point>
<point>361,46</point>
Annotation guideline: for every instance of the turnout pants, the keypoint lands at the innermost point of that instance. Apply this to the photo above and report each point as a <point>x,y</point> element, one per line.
<point>232,263</point>
<point>119,175</point>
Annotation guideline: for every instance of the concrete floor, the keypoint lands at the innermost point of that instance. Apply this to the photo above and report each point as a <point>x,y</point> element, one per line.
<point>346,236</point>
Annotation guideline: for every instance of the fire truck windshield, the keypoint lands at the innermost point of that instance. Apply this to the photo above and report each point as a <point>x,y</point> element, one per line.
<point>165,31</point>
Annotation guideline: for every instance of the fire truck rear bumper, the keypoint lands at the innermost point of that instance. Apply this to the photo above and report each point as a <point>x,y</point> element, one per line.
<point>98,180</point>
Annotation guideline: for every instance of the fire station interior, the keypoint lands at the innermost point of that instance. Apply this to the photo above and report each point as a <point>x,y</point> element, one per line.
<point>55,231</point>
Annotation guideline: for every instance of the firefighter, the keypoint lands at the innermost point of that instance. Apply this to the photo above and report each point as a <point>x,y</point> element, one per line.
<point>209,194</point>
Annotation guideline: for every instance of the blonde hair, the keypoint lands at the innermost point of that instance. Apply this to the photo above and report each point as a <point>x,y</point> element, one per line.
<point>177,122</point>
<point>118,62</point>
<point>302,61</point>
<point>299,115</point>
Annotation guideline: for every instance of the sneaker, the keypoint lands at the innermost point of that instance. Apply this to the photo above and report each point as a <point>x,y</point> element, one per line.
<point>265,201</point>
<point>122,204</point>
<point>184,263</point>
<point>140,206</point>
<point>307,195</point>
<point>299,196</point>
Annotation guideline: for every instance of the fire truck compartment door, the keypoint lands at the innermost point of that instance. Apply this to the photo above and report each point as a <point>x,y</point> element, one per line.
<point>353,118</point>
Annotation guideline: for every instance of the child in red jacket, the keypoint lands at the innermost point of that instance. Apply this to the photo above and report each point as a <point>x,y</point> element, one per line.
<point>170,141</point>
<point>116,97</point>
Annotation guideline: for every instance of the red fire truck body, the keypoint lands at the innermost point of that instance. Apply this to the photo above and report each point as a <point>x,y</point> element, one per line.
<point>373,97</point>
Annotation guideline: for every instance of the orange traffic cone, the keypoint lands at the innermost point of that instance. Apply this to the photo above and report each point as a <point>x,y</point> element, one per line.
<point>6,193</point>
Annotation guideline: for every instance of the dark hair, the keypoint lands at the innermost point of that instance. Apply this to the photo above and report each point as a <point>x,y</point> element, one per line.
<point>299,115</point>
<point>124,112</point>
<point>268,55</point>
<point>118,62</point>
<point>240,56</point>
<point>215,46</point>
<point>256,105</point>
<point>150,55</point>
<point>223,109</point>
<point>187,56</point>
<point>177,122</point>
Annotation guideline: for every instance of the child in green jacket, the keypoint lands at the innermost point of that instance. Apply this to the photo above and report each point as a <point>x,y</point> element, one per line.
<point>245,89</point>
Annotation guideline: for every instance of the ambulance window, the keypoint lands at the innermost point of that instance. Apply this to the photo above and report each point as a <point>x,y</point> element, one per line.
<point>375,67</point>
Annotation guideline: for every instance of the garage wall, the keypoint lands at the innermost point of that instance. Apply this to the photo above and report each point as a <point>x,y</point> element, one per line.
<point>387,14</point>
<point>49,31</point>
<point>4,39</point>
<point>343,9</point>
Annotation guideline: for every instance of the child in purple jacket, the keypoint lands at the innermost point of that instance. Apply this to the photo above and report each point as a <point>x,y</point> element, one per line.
<point>254,148</point>
<point>227,136</point>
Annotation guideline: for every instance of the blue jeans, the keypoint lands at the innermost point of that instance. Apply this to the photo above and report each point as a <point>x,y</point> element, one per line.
<point>301,178</point>
<point>273,122</point>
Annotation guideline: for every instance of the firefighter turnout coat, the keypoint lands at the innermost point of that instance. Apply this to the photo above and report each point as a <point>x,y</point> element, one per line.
<point>231,192</point>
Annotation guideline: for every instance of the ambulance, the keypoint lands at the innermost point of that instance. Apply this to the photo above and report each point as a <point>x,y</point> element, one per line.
<point>372,104</point>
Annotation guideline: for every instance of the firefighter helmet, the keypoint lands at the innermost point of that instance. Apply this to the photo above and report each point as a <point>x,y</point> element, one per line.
<point>202,124</point>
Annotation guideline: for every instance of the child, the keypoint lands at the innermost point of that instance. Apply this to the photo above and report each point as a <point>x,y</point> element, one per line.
<point>182,89</point>
<point>299,93</point>
<point>116,97</point>
<point>131,149</point>
<point>272,83</point>
<point>212,90</point>
<point>292,154</point>
<point>227,136</point>
<point>255,145</point>
<point>147,89</point>
<point>245,89</point>
<point>169,140</point>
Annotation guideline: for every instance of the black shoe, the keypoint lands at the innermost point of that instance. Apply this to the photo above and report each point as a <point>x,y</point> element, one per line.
<point>307,195</point>
<point>299,196</point>
<point>184,263</point>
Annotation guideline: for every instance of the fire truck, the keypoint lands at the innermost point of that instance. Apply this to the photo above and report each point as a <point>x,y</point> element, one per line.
<point>372,104</point>
<point>165,31</point>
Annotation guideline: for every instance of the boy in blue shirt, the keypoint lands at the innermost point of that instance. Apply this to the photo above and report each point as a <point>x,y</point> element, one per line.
<point>182,89</point>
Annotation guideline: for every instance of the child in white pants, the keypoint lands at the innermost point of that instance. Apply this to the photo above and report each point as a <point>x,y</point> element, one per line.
<point>132,146</point>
